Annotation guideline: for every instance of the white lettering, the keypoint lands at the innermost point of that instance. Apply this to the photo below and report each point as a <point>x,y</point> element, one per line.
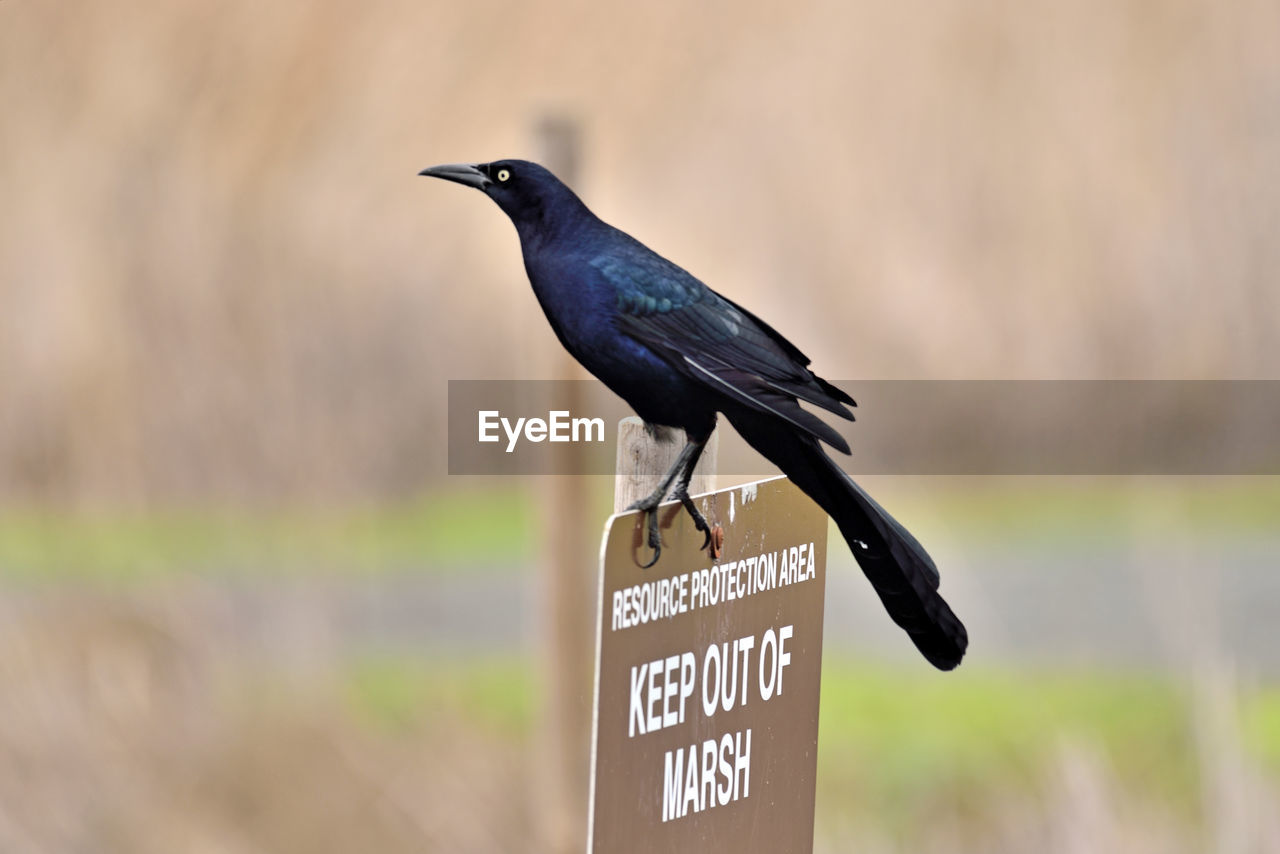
<point>784,657</point>
<point>672,765</point>
<point>775,644</point>
<point>745,645</point>
<point>488,423</point>
<point>669,686</point>
<point>769,645</point>
<point>690,781</point>
<point>559,426</point>
<point>726,771</point>
<point>637,707</point>
<point>558,421</point>
<point>729,685</point>
<point>653,721</point>
<point>535,430</point>
<point>708,786</point>
<point>711,774</point>
<point>711,687</point>
<point>587,425</point>
<point>688,669</point>
<point>512,434</point>
<point>742,766</point>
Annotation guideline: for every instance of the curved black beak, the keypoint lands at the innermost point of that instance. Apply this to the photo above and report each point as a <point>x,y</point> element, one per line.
<point>461,173</point>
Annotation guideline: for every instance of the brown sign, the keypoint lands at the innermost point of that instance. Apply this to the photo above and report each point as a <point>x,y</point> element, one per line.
<point>707,677</point>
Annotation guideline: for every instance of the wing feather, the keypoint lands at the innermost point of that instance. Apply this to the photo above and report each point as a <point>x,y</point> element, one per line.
<point>722,344</point>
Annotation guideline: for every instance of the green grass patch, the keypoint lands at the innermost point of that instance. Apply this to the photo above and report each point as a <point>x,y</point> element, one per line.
<point>487,527</point>
<point>894,741</point>
<point>399,694</point>
<point>1020,510</point>
<point>1262,726</point>
<point>440,532</point>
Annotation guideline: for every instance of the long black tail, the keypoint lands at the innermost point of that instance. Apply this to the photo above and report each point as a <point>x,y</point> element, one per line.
<point>898,567</point>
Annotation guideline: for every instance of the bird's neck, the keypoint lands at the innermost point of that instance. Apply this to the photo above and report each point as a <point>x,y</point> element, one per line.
<point>553,222</point>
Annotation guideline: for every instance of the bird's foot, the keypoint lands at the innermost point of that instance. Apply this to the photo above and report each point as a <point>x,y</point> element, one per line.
<point>649,507</point>
<point>699,521</point>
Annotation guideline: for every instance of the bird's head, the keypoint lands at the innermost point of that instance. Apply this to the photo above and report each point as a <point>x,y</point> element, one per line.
<point>525,191</point>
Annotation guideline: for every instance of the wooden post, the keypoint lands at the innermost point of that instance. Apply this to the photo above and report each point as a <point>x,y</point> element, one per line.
<point>642,460</point>
<point>568,569</point>
<point>568,588</point>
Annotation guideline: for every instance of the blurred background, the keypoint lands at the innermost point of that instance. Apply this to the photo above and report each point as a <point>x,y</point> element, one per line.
<point>244,608</point>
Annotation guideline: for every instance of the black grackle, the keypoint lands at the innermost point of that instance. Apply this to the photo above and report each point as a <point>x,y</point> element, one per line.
<point>679,353</point>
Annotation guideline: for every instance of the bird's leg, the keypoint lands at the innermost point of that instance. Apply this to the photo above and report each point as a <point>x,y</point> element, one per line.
<point>682,469</point>
<point>681,494</point>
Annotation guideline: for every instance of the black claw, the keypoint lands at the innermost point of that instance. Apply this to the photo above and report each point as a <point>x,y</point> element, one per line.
<point>699,522</point>
<point>681,470</point>
<point>655,538</point>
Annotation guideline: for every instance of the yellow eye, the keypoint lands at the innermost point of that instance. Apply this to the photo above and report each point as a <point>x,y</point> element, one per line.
<point>504,174</point>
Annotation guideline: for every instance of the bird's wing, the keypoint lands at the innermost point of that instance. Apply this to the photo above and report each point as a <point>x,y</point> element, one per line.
<point>719,344</point>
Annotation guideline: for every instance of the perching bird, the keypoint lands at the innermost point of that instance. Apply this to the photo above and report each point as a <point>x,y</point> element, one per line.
<point>679,353</point>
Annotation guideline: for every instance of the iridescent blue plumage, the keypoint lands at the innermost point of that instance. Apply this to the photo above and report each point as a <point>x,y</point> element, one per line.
<point>680,354</point>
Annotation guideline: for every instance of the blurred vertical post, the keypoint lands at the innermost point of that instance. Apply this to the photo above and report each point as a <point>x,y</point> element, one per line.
<point>568,583</point>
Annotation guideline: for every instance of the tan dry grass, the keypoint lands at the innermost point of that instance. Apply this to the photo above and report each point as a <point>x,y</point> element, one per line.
<point>221,278</point>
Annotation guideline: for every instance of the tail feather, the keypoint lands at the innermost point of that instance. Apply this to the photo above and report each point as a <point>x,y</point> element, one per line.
<point>897,566</point>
